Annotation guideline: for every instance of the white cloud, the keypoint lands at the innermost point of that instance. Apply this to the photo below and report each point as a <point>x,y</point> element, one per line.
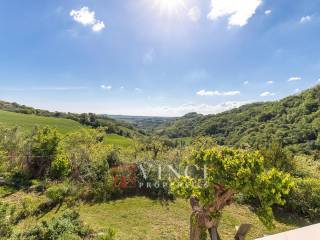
<point>83,16</point>
<point>246,82</point>
<point>267,12</point>
<point>294,79</point>
<point>98,26</point>
<point>87,18</point>
<point>148,57</point>
<point>173,111</point>
<point>238,11</point>
<point>297,90</point>
<point>194,14</point>
<point>104,87</point>
<point>138,89</point>
<point>305,19</point>
<point>217,93</point>
<point>319,80</point>
<point>267,94</point>
<point>270,82</point>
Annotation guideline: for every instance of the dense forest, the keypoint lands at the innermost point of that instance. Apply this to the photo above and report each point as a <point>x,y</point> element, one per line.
<point>294,121</point>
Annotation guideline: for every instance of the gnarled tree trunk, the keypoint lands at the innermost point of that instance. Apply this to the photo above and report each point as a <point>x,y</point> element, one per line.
<point>201,217</point>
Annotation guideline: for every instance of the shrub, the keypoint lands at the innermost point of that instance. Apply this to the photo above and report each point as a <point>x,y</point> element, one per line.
<point>58,192</point>
<point>276,156</point>
<point>305,198</point>
<point>43,144</point>
<point>60,166</point>
<point>5,226</point>
<point>113,158</point>
<point>68,226</point>
<point>19,179</point>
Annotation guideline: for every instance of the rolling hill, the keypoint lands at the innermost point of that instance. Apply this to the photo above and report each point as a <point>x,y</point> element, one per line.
<point>294,121</point>
<point>29,121</point>
<point>112,126</point>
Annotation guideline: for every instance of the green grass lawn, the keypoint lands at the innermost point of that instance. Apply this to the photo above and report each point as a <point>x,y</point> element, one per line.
<point>141,218</point>
<point>118,140</point>
<point>186,140</point>
<point>27,122</point>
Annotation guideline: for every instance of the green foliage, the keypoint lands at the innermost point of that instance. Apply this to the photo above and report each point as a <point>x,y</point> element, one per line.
<point>43,149</point>
<point>83,149</point>
<point>58,192</point>
<point>12,146</point>
<point>67,226</point>
<point>276,157</point>
<point>5,225</point>
<point>113,157</point>
<point>26,209</point>
<point>60,166</point>
<point>294,121</point>
<point>238,171</point>
<point>19,179</point>
<point>109,235</point>
<point>305,198</point>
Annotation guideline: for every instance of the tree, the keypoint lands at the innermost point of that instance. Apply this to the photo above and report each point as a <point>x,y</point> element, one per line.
<point>275,156</point>
<point>223,172</point>
<point>43,145</point>
<point>155,145</point>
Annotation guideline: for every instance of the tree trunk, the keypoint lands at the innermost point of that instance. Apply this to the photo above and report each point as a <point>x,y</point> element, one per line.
<point>195,231</point>
<point>213,233</point>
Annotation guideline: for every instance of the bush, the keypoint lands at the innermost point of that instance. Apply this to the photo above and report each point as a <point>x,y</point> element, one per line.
<point>113,158</point>
<point>68,226</point>
<point>58,192</point>
<point>60,166</point>
<point>43,144</point>
<point>305,198</point>
<point>97,183</point>
<point>19,179</point>
<point>5,226</point>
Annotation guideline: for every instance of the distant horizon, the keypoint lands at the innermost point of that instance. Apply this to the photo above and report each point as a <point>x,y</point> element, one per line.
<point>155,116</point>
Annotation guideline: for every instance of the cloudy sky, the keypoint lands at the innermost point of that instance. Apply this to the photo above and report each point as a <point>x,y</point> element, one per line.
<point>156,57</point>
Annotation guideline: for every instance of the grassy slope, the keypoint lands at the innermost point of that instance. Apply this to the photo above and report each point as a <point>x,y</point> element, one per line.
<point>118,140</point>
<point>27,122</point>
<point>141,218</point>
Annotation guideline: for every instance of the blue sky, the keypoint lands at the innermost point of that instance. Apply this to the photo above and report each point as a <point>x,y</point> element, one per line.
<point>156,57</point>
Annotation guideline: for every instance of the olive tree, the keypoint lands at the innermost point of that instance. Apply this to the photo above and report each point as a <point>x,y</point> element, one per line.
<point>220,174</point>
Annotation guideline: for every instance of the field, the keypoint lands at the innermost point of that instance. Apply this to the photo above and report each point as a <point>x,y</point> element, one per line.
<point>27,122</point>
<point>141,218</point>
<point>118,140</point>
<point>157,221</point>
